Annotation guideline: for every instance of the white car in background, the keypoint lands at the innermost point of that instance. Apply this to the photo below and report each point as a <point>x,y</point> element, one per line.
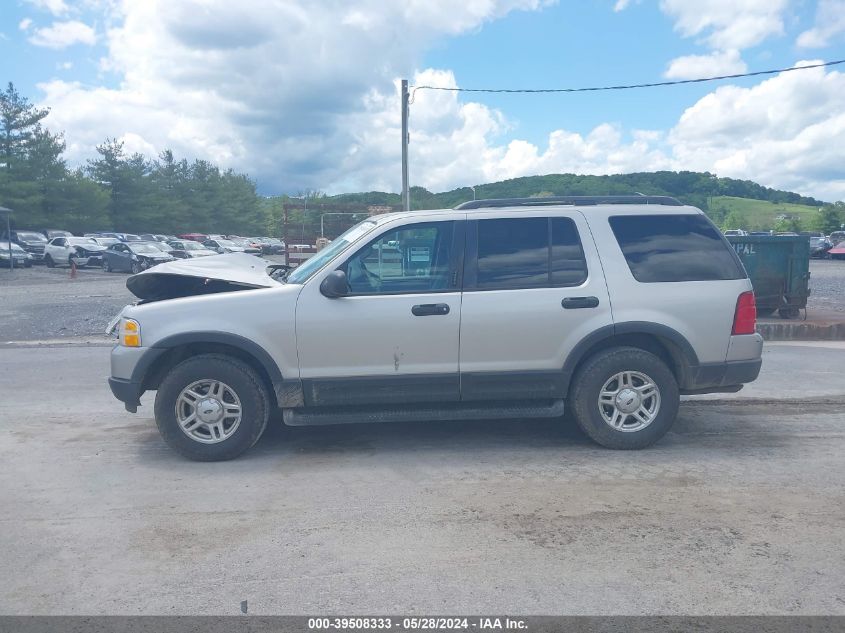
<point>82,251</point>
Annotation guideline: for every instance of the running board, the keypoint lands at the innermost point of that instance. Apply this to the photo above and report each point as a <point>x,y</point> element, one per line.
<point>424,412</point>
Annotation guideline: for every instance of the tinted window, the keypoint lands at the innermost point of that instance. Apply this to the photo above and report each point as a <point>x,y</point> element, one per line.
<point>674,248</point>
<point>415,258</point>
<point>513,253</point>
<point>568,265</point>
<point>529,253</point>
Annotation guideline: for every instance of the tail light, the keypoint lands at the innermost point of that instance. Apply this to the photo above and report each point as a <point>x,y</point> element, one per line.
<point>745,316</point>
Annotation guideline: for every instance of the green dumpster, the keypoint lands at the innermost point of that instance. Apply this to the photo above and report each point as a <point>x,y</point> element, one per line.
<point>779,268</point>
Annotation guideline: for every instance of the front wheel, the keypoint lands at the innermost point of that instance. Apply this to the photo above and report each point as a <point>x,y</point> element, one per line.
<point>625,398</point>
<point>211,407</point>
<point>49,261</point>
<point>106,266</point>
<point>136,268</point>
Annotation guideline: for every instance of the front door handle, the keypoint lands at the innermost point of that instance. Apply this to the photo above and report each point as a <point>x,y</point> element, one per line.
<point>430,309</point>
<point>572,303</point>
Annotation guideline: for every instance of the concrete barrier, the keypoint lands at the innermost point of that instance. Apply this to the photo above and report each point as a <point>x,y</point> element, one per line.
<point>797,330</point>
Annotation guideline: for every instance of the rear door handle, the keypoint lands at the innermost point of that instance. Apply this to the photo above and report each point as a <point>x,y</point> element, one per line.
<point>572,303</point>
<point>430,309</point>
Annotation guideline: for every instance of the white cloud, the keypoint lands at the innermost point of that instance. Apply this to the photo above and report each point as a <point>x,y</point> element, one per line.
<point>56,7</point>
<point>787,132</point>
<point>621,5</point>
<point>24,24</point>
<point>301,96</point>
<point>830,22</point>
<point>63,34</point>
<point>64,65</point>
<point>712,65</point>
<point>727,24</point>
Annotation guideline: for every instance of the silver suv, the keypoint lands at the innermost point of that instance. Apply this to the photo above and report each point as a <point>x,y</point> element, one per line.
<point>609,307</point>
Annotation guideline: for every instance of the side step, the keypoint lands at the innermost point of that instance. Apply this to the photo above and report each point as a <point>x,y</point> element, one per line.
<point>424,412</point>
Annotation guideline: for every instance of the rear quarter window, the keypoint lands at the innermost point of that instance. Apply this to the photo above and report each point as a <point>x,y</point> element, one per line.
<point>666,248</point>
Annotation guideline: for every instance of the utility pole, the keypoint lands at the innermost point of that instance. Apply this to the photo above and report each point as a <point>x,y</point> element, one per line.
<point>406,191</point>
<point>285,232</point>
<point>7,213</point>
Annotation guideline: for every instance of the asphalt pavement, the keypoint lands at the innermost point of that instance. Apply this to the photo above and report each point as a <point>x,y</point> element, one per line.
<point>738,510</point>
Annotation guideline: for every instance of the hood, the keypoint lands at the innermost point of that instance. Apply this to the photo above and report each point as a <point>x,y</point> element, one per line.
<point>203,275</point>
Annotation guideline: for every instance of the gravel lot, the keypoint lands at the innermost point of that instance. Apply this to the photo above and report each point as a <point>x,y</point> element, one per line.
<point>738,510</point>
<point>39,303</point>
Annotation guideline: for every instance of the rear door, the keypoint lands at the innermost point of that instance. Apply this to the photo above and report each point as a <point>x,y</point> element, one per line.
<point>533,289</point>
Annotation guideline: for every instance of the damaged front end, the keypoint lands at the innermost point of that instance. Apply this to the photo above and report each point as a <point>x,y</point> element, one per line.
<point>204,275</point>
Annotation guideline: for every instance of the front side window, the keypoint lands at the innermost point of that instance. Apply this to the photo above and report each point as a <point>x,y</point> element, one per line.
<point>667,248</point>
<point>410,259</point>
<point>529,253</point>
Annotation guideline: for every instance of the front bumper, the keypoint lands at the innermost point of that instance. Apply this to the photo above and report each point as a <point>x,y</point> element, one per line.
<point>127,391</point>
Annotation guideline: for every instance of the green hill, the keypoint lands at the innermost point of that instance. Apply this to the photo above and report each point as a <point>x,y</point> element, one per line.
<point>761,214</point>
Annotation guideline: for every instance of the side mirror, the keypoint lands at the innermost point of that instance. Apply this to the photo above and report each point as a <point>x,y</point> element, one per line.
<point>335,285</point>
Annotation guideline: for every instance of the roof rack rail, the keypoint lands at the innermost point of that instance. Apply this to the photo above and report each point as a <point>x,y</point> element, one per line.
<point>569,200</point>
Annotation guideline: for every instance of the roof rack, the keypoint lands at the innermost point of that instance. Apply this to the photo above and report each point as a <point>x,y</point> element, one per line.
<point>569,200</point>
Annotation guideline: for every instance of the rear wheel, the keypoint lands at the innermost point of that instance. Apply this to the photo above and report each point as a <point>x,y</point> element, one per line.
<point>212,407</point>
<point>625,398</point>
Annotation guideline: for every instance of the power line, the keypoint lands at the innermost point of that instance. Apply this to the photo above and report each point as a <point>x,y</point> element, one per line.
<point>626,87</point>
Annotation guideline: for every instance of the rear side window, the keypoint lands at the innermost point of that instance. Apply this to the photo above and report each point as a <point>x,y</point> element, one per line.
<point>660,248</point>
<point>529,253</point>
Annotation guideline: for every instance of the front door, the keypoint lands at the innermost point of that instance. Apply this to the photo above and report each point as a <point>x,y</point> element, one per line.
<point>533,289</point>
<point>394,338</point>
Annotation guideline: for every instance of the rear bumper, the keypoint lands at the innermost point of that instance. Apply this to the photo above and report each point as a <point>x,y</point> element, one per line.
<point>721,377</point>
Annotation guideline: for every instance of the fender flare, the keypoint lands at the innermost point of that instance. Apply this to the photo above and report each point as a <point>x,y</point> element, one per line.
<point>579,352</point>
<point>282,389</point>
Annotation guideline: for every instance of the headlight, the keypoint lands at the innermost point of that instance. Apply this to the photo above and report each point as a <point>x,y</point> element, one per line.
<point>129,333</point>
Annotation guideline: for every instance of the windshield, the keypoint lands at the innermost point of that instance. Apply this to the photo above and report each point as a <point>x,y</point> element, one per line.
<point>31,237</point>
<point>226,243</point>
<point>131,238</point>
<point>144,248</point>
<point>106,241</point>
<point>80,241</point>
<point>4,248</point>
<point>192,246</point>
<point>315,263</point>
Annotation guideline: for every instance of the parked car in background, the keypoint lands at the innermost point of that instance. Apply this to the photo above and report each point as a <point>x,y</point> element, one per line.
<point>32,242</point>
<point>819,246</point>
<point>51,233</point>
<point>277,246</point>
<point>164,247</point>
<point>19,258</point>
<point>133,257</point>
<point>837,251</point>
<point>104,241</point>
<point>223,246</point>
<point>148,237</point>
<point>162,238</point>
<point>81,251</point>
<point>196,237</point>
<point>186,249</point>
<point>247,245</point>
<point>836,237</point>
<point>128,237</point>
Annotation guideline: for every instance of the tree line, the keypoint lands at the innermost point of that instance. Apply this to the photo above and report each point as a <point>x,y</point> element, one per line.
<point>117,190</point>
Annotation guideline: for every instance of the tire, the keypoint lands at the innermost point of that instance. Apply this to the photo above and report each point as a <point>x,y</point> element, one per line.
<point>49,261</point>
<point>136,268</point>
<point>240,379</point>
<point>106,266</point>
<point>597,374</point>
<point>789,313</point>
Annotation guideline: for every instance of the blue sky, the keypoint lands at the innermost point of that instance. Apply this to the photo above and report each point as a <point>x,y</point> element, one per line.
<point>302,94</point>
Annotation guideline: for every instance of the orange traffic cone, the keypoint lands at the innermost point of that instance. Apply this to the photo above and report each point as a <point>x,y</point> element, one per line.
<point>73,269</point>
